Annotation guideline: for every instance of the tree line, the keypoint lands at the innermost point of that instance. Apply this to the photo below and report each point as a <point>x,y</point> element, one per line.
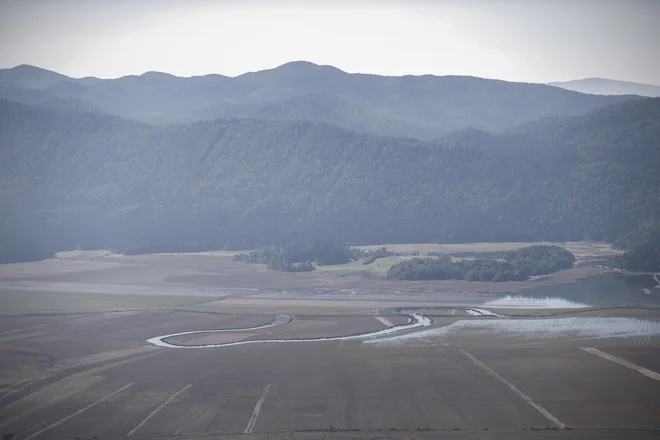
<point>643,258</point>
<point>301,257</point>
<point>515,265</point>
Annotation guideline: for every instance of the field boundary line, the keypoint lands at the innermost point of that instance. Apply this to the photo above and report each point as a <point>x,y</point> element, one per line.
<point>256,410</point>
<point>88,372</point>
<point>384,320</point>
<point>153,413</point>
<point>20,385</point>
<point>513,388</point>
<point>646,372</point>
<point>30,429</point>
<point>80,411</point>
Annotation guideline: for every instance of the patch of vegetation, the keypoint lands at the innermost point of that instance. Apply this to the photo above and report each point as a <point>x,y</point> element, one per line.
<point>643,258</point>
<point>512,265</point>
<point>301,257</point>
<point>371,256</point>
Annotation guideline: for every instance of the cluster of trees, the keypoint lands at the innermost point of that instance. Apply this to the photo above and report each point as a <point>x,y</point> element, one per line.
<point>515,265</point>
<point>642,258</point>
<point>301,257</point>
<point>73,179</point>
<point>539,259</point>
<point>369,257</point>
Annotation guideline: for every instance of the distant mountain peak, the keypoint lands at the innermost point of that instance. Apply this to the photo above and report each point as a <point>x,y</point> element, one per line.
<point>155,74</point>
<point>26,67</point>
<point>597,79</point>
<point>299,63</point>
<point>30,77</point>
<point>604,86</point>
<point>425,106</point>
<point>305,66</point>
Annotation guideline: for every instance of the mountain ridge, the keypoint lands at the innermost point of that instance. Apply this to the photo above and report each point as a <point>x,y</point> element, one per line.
<point>73,178</point>
<point>423,106</point>
<point>605,86</point>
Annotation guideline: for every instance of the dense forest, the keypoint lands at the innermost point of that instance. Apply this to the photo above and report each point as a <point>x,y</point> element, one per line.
<point>515,265</point>
<point>301,257</point>
<point>424,107</point>
<point>75,179</point>
<point>643,258</point>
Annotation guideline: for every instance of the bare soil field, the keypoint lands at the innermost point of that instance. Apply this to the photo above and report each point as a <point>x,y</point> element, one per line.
<point>75,361</point>
<point>330,386</point>
<point>643,356</point>
<point>326,387</point>
<point>591,393</point>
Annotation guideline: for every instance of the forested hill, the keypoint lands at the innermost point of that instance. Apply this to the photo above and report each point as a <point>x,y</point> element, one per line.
<point>76,179</point>
<point>424,107</point>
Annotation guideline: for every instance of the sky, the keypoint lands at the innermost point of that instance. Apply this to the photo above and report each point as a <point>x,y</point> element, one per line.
<point>514,40</point>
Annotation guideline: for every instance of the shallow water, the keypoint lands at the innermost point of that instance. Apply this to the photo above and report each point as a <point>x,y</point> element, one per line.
<point>531,329</point>
<point>415,321</point>
<point>602,290</point>
<point>530,302</point>
<point>480,312</point>
<point>160,340</point>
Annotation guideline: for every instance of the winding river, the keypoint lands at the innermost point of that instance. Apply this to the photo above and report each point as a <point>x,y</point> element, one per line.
<point>414,321</point>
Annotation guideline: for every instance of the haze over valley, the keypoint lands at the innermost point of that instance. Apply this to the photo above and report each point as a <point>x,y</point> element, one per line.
<point>351,219</point>
<point>309,152</point>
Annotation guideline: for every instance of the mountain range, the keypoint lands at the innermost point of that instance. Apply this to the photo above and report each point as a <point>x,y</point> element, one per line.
<point>425,107</point>
<point>601,86</point>
<point>72,178</point>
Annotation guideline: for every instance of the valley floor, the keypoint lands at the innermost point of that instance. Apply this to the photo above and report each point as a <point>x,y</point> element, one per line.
<point>75,361</point>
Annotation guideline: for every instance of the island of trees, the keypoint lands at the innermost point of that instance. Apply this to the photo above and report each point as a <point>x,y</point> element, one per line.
<point>302,257</point>
<point>513,265</point>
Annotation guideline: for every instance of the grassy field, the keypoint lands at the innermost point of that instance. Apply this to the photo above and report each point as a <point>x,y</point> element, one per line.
<point>378,267</point>
<point>581,249</point>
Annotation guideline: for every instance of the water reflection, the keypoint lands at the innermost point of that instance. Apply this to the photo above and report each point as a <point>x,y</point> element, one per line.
<point>602,290</point>
<point>415,321</point>
<point>633,329</point>
<point>528,302</point>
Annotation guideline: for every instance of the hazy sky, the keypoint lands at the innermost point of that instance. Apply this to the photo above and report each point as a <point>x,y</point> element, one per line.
<point>517,40</point>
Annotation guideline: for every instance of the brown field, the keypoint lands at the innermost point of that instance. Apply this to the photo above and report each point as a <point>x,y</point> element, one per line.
<point>91,373</point>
